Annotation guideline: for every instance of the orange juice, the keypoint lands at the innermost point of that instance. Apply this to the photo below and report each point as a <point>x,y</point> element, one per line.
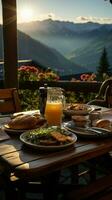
<point>53,113</point>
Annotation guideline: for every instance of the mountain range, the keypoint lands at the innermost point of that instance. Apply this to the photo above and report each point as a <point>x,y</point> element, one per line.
<point>81,43</point>
<point>45,56</point>
<point>66,47</point>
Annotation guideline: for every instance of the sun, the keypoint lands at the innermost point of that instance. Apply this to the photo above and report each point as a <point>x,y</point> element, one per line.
<point>26,14</point>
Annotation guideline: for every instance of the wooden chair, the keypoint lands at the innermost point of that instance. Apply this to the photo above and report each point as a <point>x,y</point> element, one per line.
<point>104,97</point>
<point>9,101</point>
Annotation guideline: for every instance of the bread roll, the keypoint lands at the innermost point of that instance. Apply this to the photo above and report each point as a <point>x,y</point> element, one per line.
<point>23,122</point>
<point>103,123</point>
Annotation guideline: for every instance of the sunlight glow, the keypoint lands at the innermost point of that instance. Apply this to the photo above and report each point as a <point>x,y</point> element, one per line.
<point>26,14</point>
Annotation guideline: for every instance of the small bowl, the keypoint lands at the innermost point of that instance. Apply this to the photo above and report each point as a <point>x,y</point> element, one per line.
<point>77,109</point>
<point>81,121</point>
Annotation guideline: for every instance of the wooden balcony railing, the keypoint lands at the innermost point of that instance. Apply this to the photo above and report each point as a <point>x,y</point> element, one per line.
<point>76,86</point>
<point>86,87</point>
<point>78,91</point>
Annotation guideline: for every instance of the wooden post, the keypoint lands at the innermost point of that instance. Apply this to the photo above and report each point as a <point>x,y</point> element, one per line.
<point>10,42</point>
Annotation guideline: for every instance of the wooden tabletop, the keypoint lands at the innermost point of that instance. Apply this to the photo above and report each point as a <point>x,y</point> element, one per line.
<point>26,162</point>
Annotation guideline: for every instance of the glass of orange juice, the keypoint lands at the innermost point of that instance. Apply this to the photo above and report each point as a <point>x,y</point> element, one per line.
<point>54,106</point>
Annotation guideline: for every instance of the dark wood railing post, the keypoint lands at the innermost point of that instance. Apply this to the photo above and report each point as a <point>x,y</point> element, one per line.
<point>10,42</point>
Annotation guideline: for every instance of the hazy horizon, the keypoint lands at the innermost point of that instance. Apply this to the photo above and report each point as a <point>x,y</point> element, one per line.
<point>73,11</point>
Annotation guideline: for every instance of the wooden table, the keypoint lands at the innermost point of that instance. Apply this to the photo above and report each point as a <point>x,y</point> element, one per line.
<point>29,164</point>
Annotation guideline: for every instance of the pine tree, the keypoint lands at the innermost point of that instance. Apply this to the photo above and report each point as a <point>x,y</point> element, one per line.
<point>109,0</point>
<point>104,67</point>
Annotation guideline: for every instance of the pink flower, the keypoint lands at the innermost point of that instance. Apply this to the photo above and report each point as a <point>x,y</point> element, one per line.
<point>28,69</point>
<point>84,77</point>
<point>30,73</point>
<point>88,77</point>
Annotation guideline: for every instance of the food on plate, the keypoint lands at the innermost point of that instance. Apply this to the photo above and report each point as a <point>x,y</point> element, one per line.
<point>103,123</point>
<point>77,106</point>
<point>37,115</point>
<point>76,109</point>
<point>80,120</point>
<point>49,136</point>
<point>25,121</point>
<point>60,137</point>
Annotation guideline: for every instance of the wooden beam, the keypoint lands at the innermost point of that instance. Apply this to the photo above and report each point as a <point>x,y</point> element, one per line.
<point>10,42</point>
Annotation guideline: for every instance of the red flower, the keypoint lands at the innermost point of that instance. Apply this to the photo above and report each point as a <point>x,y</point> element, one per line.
<point>28,69</point>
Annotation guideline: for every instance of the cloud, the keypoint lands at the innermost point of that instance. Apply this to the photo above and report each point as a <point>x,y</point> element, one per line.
<point>47,15</point>
<point>84,19</point>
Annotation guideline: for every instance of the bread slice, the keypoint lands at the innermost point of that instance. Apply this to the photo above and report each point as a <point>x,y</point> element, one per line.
<point>103,123</point>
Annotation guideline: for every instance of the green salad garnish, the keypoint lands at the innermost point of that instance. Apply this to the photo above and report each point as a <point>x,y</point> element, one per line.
<point>43,135</point>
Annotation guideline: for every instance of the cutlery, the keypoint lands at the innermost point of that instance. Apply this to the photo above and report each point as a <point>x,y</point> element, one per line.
<point>89,131</point>
<point>94,109</point>
<point>94,130</point>
<point>102,129</point>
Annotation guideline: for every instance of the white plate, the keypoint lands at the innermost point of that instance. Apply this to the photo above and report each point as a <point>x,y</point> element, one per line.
<point>10,130</point>
<point>90,132</point>
<point>29,112</point>
<point>46,147</point>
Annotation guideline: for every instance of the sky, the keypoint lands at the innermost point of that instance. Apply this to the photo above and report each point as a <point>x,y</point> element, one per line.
<point>66,10</point>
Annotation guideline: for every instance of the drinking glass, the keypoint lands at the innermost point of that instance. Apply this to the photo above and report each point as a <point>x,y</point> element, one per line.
<point>54,106</point>
<point>94,117</point>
